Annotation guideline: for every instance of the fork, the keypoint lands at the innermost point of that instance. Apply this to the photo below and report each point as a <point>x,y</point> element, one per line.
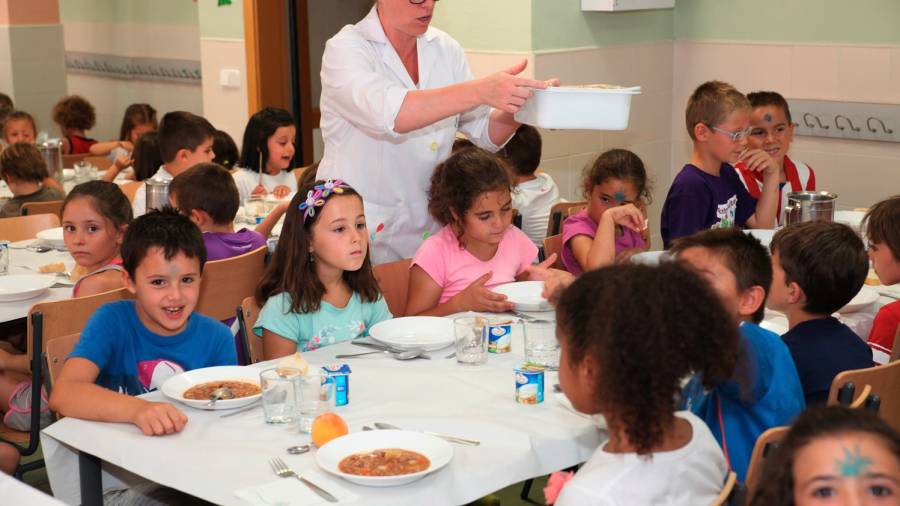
<point>283,471</point>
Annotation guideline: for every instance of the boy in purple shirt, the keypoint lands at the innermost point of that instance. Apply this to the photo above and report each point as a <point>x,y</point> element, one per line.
<point>707,193</point>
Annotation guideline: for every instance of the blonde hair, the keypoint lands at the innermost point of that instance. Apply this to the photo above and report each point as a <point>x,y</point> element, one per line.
<point>711,103</point>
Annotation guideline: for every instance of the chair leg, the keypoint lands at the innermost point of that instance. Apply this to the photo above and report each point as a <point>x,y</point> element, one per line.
<point>30,466</point>
<point>526,489</point>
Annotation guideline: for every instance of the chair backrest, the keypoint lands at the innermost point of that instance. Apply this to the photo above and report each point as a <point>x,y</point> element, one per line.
<point>874,388</point>
<point>20,228</point>
<point>57,351</point>
<point>727,489</point>
<point>226,282</point>
<point>46,207</point>
<point>766,443</point>
<point>559,212</point>
<point>393,279</point>
<point>101,162</point>
<point>130,189</point>
<point>299,171</point>
<point>553,244</point>
<point>248,312</point>
<point>71,160</point>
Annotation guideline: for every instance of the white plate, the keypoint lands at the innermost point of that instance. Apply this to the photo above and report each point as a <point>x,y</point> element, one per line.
<point>573,107</point>
<point>525,295</point>
<point>52,237</point>
<point>68,174</point>
<point>763,234</point>
<point>866,296</point>
<point>650,258</point>
<point>175,386</point>
<point>429,332</point>
<point>851,218</point>
<point>438,451</point>
<point>24,286</point>
<point>778,325</point>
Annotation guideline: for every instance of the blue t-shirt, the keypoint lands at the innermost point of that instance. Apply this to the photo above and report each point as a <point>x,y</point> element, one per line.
<point>698,201</point>
<point>773,395</point>
<point>133,360</point>
<point>822,348</point>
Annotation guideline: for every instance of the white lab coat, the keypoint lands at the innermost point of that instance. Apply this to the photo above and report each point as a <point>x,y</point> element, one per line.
<point>364,84</point>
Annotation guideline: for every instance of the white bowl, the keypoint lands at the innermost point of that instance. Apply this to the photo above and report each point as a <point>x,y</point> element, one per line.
<point>525,295</point>
<point>24,286</point>
<point>574,107</point>
<point>438,451</point>
<point>651,258</point>
<point>175,386</point>
<point>68,174</point>
<point>52,237</point>
<point>428,332</point>
<point>866,297</point>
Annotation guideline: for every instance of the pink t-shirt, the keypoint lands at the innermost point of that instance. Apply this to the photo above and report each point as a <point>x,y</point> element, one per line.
<point>454,268</point>
<point>581,223</point>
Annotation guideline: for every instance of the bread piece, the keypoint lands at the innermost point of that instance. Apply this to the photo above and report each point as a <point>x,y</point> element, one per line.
<point>52,268</point>
<point>295,361</point>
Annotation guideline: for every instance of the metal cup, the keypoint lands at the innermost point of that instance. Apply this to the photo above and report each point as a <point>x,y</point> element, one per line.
<point>157,193</point>
<point>809,206</point>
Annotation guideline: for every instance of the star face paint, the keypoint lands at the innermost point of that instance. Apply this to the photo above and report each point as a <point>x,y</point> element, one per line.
<point>619,197</point>
<point>853,463</point>
<point>767,117</point>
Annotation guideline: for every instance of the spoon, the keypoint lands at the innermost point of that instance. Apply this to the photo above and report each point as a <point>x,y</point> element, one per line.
<point>218,394</point>
<point>445,437</point>
<point>403,355</point>
<point>299,449</point>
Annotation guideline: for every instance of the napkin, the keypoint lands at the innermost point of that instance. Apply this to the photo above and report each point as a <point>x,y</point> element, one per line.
<point>292,492</point>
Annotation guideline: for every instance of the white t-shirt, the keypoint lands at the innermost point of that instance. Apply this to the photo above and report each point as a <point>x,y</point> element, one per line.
<point>689,476</point>
<point>139,204</point>
<point>533,199</point>
<point>247,179</point>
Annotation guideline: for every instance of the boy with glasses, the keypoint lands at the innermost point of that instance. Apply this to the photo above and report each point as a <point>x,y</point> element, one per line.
<point>708,193</point>
<point>773,131</point>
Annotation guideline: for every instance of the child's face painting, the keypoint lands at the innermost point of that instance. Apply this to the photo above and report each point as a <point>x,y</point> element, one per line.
<point>610,193</point>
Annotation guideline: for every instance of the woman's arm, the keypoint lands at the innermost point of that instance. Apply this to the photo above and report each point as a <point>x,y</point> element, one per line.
<point>277,346</point>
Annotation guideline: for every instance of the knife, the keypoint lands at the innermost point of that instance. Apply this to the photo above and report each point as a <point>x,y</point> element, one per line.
<point>385,347</point>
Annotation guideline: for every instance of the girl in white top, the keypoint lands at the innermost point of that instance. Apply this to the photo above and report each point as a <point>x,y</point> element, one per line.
<point>268,140</point>
<point>624,348</point>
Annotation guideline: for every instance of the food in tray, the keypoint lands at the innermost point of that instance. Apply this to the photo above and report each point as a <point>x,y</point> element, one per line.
<point>384,462</point>
<point>237,387</point>
<point>52,268</point>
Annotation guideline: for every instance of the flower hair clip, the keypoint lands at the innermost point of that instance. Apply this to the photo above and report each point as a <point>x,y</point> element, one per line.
<point>317,196</point>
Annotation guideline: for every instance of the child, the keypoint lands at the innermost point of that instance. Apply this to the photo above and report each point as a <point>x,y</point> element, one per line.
<point>624,348</point>
<point>19,126</point>
<point>883,236</point>
<point>185,140</point>
<point>817,268</point>
<point>268,140</point>
<point>146,158</point>
<point>534,194</point>
<point>226,150</point>
<point>23,169</point>
<point>6,107</point>
<point>95,216</point>
<point>138,120</point>
<point>765,390</point>
<point>833,455</point>
<point>319,288</point>
<point>131,347</point>
<point>74,115</point>
<point>707,193</point>
<point>206,193</point>
<point>478,248</point>
<point>609,229</point>
<point>773,131</point>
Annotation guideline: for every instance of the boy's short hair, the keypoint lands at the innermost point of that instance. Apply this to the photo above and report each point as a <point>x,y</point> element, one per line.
<point>182,130</point>
<point>206,187</point>
<point>523,151</point>
<point>828,260</point>
<point>74,111</point>
<point>16,115</point>
<point>770,98</point>
<point>23,162</point>
<point>166,229</point>
<point>227,154</point>
<point>741,253</point>
<point>711,103</point>
<point>6,102</point>
<point>882,224</point>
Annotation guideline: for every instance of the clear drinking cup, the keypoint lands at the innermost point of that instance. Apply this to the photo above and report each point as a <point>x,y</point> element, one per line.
<point>541,346</point>
<point>280,394</point>
<point>316,397</point>
<point>4,257</point>
<point>471,340</point>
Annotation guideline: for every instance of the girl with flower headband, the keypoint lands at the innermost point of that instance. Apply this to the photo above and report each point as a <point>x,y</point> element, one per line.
<point>478,248</point>
<point>319,288</point>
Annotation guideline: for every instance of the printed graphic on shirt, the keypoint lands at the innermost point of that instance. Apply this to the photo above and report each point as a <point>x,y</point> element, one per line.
<point>153,373</point>
<point>332,334</point>
<point>725,213</point>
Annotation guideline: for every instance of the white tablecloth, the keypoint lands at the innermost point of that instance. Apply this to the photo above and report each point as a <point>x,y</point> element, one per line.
<point>19,259</point>
<point>212,457</point>
<point>14,492</point>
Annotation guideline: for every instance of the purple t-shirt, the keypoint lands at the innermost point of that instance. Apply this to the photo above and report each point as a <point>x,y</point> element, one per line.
<point>581,223</point>
<point>226,245</point>
<point>698,201</point>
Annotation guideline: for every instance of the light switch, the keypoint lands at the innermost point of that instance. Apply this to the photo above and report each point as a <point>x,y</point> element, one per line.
<point>230,78</point>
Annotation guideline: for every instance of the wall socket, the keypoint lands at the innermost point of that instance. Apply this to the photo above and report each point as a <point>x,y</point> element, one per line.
<point>846,120</point>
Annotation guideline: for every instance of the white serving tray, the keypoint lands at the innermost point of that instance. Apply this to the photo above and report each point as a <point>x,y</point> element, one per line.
<point>589,107</point>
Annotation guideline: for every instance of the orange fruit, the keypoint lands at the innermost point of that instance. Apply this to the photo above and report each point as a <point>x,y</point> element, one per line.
<point>326,427</point>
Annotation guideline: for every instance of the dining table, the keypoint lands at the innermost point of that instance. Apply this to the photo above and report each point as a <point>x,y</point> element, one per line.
<point>15,492</point>
<point>227,460</point>
<point>24,258</point>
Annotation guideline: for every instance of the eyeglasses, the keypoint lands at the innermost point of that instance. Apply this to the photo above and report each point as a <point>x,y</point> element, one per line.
<point>734,136</point>
<point>418,2</point>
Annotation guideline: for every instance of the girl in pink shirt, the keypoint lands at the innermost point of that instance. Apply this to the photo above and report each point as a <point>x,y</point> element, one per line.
<point>478,248</point>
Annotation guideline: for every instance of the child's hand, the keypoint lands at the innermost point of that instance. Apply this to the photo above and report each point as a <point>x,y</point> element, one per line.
<point>260,190</point>
<point>126,145</point>
<point>555,280</point>
<point>759,161</point>
<point>159,419</point>
<point>122,162</point>
<point>281,191</point>
<point>4,358</point>
<point>478,298</point>
<point>627,216</point>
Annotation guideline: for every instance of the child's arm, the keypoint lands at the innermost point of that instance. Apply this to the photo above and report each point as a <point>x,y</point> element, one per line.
<point>276,345</point>
<point>767,205</point>
<point>104,148</point>
<point>121,163</point>
<point>424,294</point>
<point>281,191</point>
<point>600,251</point>
<point>16,363</point>
<point>52,183</point>
<point>268,223</point>
<point>75,394</point>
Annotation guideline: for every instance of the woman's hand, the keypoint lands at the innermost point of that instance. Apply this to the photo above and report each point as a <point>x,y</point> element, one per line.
<point>627,216</point>
<point>260,190</point>
<point>281,191</point>
<point>506,91</point>
<point>478,298</point>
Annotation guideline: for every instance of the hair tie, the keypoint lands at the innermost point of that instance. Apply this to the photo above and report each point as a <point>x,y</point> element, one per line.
<point>319,194</point>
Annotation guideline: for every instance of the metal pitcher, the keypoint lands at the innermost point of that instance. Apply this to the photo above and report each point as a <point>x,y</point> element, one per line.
<point>809,206</point>
<point>51,150</point>
<point>157,193</point>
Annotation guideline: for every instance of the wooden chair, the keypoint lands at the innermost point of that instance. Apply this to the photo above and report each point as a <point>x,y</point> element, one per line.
<point>553,244</point>
<point>728,490</point>
<point>228,281</point>
<point>559,212</point>
<point>247,314</point>
<point>877,386</point>
<point>130,189</point>
<point>57,351</point>
<point>101,162</point>
<point>69,161</point>
<point>765,444</point>
<point>20,228</point>
<point>393,279</point>
<point>48,207</point>
<point>298,173</point>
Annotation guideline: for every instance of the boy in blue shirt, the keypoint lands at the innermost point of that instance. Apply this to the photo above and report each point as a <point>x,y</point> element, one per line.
<point>818,268</point>
<point>764,390</point>
<point>131,347</point>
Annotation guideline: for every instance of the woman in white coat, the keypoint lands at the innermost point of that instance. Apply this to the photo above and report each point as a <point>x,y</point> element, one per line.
<point>395,91</point>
